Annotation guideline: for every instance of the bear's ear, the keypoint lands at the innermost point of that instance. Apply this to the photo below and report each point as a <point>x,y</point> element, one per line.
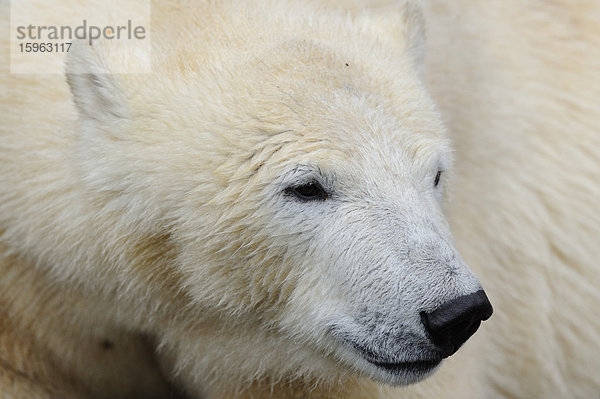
<point>397,23</point>
<point>95,90</point>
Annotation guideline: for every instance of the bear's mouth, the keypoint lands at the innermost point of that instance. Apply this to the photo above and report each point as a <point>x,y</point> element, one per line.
<point>420,366</point>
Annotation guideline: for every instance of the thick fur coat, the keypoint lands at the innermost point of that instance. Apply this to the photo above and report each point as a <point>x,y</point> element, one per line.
<point>151,244</point>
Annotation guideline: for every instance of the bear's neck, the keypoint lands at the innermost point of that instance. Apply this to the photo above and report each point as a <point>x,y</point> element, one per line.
<point>55,342</point>
<point>351,388</point>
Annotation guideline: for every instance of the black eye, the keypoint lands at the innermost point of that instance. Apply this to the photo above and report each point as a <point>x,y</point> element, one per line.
<point>437,178</point>
<point>309,192</point>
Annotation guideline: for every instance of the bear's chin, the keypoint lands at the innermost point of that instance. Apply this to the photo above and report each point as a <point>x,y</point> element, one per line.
<point>393,371</point>
<point>402,373</point>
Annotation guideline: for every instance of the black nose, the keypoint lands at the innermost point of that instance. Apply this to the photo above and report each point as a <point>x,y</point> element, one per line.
<point>453,323</point>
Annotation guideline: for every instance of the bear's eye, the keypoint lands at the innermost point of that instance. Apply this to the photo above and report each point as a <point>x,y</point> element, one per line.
<point>437,178</point>
<point>312,191</point>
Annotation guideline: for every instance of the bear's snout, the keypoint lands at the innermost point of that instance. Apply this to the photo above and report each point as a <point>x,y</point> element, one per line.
<point>450,325</point>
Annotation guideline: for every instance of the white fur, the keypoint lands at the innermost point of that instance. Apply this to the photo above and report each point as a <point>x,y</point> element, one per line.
<point>157,206</point>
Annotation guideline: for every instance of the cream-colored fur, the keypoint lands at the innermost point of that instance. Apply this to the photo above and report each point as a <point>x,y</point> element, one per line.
<point>518,85</point>
<point>129,262</point>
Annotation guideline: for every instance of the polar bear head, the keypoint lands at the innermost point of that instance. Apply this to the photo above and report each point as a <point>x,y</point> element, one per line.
<point>293,163</point>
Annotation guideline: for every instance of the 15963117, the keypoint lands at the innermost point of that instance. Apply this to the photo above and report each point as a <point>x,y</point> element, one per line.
<point>44,47</point>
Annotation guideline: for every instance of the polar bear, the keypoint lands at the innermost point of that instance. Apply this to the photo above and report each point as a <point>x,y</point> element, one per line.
<point>266,211</point>
<point>262,216</point>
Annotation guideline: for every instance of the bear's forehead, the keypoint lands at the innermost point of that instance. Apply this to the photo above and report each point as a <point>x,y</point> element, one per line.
<point>276,65</point>
<point>265,42</point>
<point>327,94</point>
<point>317,110</point>
<point>330,95</point>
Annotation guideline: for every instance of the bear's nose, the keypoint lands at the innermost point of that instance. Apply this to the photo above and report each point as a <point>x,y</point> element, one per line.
<point>453,323</point>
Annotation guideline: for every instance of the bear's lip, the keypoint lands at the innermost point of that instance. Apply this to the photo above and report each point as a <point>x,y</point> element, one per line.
<point>419,366</point>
